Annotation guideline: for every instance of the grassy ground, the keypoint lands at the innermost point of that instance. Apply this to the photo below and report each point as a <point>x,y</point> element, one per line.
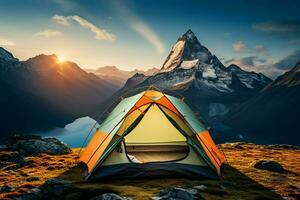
<point>241,180</point>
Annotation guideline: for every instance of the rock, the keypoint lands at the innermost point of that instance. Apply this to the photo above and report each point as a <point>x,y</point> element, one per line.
<point>3,147</point>
<point>32,145</point>
<point>55,188</point>
<point>6,188</point>
<point>269,165</point>
<point>177,193</point>
<point>23,174</point>
<point>282,146</point>
<point>34,194</point>
<point>200,187</point>
<point>110,196</point>
<point>11,160</point>
<point>31,179</point>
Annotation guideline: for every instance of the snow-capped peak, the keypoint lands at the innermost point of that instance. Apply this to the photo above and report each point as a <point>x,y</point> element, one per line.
<point>187,51</point>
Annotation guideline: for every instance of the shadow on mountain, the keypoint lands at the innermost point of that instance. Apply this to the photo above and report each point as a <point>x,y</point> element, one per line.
<point>234,185</point>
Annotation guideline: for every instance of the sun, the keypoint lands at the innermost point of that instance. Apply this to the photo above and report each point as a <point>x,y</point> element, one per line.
<point>61,59</point>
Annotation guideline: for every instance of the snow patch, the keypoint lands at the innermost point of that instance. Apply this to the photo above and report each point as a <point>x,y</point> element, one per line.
<point>189,64</point>
<point>209,73</point>
<point>174,57</point>
<point>185,81</point>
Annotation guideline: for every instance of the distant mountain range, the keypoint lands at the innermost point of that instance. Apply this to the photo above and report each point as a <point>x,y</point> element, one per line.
<point>41,93</point>
<point>117,76</point>
<point>271,116</point>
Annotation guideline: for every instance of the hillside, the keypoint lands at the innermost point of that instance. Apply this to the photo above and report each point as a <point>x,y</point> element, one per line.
<point>41,93</point>
<point>241,180</point>
<point>272,115</point>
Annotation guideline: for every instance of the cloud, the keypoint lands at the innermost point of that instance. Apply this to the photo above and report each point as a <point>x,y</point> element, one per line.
<point>148,34</point>
<point>242,47</point>
<point>48,33</point>
<point>6,42</point>
<point>248,61</point>
<point>239,46</point>
<point>139,26</point>
<point>289,29</point>
<point>289,61</point>
<point>260,48</point>
<point>100,34</point>
<point>61,20</point>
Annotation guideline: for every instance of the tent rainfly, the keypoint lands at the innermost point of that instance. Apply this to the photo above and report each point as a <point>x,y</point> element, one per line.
<point>152,134</point>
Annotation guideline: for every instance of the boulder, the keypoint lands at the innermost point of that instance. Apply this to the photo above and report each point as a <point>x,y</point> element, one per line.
<point>31,179</point>
<point>176,193</point>
<point>6,188</point>
<point>11,160</point>
<point>110,196</point>
<point>200,187</point>
<point>34,194</point>
<point>33,144</point>
<point>269,165</point>
<point>56,188</point>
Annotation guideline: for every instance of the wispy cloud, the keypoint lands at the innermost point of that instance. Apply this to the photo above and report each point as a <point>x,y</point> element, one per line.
<point>138,25</point>
<point>148,34</point>
<point>100,33</point>
<point>48,33</point>
<point>242,47</point>
<point>239,46</point>
<point>61,20</point>
<point>6,42</point>
<point>248,61</point>
<point>289,29</point>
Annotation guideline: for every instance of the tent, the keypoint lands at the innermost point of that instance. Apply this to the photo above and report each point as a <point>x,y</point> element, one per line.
<point>152,134</point>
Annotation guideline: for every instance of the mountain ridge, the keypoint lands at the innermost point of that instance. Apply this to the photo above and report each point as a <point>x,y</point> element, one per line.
<point>41,93</point>
<point>271,115</point>
<point>118,76</point>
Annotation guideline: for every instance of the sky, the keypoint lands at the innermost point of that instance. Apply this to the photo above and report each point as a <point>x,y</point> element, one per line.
<point>258,35</point>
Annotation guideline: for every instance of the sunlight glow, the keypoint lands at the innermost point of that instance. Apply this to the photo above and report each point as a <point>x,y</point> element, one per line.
<point>61,59</point>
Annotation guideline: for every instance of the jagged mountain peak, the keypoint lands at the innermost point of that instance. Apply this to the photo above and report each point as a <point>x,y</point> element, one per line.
<point>189,49</point>
<point>189,36</point>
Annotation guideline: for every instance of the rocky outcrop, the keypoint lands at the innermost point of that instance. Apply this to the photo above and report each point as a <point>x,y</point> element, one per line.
<point>110,196</point>
<point>269,165</point>
<point>178,193</point>
<point>33,144</point>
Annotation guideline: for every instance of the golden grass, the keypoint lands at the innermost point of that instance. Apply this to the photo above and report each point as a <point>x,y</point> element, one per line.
<point>241,180</point>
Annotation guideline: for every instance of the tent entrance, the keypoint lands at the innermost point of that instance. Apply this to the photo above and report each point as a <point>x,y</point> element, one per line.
<point>155,139</point>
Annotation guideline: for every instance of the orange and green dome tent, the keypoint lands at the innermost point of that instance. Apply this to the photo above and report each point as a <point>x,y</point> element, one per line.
<point>152,134</point>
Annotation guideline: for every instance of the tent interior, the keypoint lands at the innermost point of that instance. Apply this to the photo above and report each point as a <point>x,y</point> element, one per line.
<point>155,139</point>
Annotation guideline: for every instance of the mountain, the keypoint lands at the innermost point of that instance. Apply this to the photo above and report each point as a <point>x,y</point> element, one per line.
<point>207,85</point>
<point>272,115</point>
<point>41,93</point>
<point>117,76</point>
